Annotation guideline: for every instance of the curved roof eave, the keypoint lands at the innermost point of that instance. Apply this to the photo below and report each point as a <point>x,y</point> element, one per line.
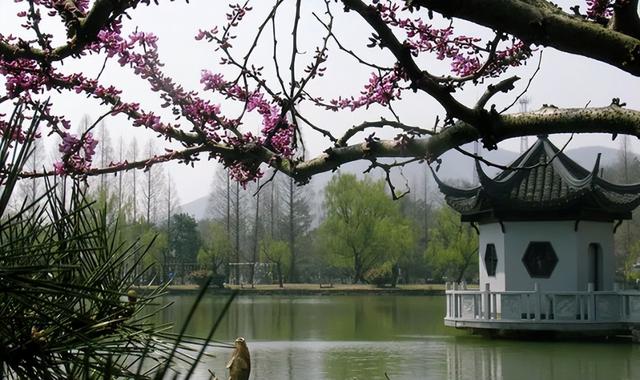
<point>449,190</point>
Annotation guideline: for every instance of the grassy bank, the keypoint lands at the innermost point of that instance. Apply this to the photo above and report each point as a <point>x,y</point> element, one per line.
<point>317,289</point>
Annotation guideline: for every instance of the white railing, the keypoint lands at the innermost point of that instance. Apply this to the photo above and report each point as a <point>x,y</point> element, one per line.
<point>542,306</point>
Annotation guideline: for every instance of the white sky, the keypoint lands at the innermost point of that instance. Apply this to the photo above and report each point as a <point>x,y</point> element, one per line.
<point>564,80</point>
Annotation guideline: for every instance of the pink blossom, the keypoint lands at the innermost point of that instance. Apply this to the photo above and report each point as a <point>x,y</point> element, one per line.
<point>599,10</point>
<point>212,81</point>
<point>59,168</point>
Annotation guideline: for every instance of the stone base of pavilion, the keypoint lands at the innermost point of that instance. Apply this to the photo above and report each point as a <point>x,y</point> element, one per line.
<point>522,313</point>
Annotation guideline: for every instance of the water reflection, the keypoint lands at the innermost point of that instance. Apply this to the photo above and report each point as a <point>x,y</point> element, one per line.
<point>363,337</point>
<point>323,318</point>
<point>498,360</point>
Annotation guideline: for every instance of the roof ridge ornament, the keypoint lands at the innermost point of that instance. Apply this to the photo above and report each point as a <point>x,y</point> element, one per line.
<point>596,167</point>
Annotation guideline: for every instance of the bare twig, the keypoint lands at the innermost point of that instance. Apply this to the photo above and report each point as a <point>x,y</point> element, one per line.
<point>350,52</point>
<point>387,169</point>
<point>380,124</point>
<point>266,182</point>
<point>509,167</point>
<point>526,87</point>
<point>503,86</point>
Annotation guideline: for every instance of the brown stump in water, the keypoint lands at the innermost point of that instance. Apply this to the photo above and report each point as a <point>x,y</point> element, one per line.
<point>240,363</point>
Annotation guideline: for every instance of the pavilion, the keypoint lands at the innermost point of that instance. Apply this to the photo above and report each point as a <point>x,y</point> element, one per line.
<point>546,247</point>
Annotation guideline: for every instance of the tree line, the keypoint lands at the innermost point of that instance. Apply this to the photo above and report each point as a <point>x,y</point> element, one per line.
<point>270,231</point>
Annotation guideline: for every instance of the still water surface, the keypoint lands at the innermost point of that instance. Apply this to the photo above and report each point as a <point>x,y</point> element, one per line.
<point>362,337</point>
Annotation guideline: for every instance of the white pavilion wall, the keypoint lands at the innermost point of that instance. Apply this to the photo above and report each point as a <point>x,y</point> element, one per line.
<point>571,248</point>
<point>491,234</point>
<point>600,233</point>
<point>563,239</point>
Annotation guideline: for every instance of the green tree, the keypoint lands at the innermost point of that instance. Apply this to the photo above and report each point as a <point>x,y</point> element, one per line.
<point>216,246</point>
<point>153,259</point>
<point>629,270</point>
<point>278,253</point>
<point>184,239</point>
<point>453,247</point>
<point>364,228</point>
<point>625,169</point>
<point>413,265</point>
<point>156,256</point>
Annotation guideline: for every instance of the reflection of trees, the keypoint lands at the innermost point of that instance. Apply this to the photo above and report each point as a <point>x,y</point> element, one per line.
<point>342,337</point>
<point>325,318</point>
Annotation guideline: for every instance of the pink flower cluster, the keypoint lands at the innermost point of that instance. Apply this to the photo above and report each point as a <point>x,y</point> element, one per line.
<point>465,52</point>
<point>77,153</point>
<point>206,34</point>
<point>425,38</point>
<point>17,134</point>
<point>512,56</point>
<point>22,75</point>
<point>381,89</point>
<point>599,10</point>
<point>243,173</point>
<point>277,132</point>
<point>212,81</point>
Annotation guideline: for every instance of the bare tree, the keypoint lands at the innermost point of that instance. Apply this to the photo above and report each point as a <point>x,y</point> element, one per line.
<point>153,185</point>
<point>225,204</point>
<point>298,218</point>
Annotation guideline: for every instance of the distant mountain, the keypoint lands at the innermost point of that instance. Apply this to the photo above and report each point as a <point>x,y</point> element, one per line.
<point>197,208</point>
<point>455,168</point>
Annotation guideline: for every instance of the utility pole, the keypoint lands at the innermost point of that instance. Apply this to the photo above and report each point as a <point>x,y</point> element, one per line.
<point>524,140</point>
<point>476,152</point>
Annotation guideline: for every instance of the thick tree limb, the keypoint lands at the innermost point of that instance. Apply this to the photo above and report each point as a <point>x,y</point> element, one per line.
<point>549,120</point>
<point>539,22</point>
<point>81,31</point>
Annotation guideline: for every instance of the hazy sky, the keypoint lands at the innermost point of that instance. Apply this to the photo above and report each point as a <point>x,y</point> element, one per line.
<point>564,80</point>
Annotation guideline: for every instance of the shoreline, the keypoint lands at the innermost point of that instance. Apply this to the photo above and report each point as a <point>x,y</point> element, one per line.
<point>310,290</point>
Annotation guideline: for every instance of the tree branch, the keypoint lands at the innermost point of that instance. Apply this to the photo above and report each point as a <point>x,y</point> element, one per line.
<point>83,32</point>
<point>503,86</point>
<point>419,78</point>
<point>539,22</point>
<point>380,124</point>
<point>548,120</point>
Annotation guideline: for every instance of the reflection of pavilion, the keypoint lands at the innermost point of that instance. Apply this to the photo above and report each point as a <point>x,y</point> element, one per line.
<point>506,360</point>
<point>546,247</point>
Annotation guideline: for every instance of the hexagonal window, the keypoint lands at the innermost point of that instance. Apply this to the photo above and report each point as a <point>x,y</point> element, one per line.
<point>540,259</point>
<point>490,260</point>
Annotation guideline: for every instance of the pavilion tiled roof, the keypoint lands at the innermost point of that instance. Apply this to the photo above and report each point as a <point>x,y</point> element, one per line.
<point>543,183</point>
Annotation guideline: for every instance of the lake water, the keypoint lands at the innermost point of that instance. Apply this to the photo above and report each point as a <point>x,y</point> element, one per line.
<point>364,337</point>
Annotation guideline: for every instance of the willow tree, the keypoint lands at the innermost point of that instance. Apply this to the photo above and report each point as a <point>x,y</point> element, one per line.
<point>364,230</point>
<point>255,109</point>
<point>453,248</point>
